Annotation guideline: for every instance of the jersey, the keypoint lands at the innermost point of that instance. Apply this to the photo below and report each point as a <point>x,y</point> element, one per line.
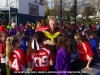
<point>2,28</point>
<point>18,61</point>
<point>2,51</point>
<point>42,29</point>
<point>84,51</point>
<point>41,59</point>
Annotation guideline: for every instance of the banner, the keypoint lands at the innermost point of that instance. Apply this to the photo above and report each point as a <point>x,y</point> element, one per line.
<point>33,9</point>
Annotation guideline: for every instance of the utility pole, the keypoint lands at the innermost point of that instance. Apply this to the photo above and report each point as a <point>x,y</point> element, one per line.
<point>75,11</point>
<point>60,13</point>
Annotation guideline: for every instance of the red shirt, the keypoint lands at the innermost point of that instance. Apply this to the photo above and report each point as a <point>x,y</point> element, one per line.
<point>84,51</point>
<point>41,59</point>
<point>64,26</point>
<point>42,29</point>
<point>2,28</point>
<point>18,61</point>
<point>2,50</point>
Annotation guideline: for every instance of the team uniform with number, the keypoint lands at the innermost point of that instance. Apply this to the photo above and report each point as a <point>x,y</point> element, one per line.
<point>41,59</point>
<point>18,61</point>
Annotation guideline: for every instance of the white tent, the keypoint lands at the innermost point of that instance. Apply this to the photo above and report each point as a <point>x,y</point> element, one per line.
<point>79,16</point>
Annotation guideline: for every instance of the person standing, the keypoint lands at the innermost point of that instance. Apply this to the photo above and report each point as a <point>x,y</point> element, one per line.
<point>3,27</point>
<point>51,37</point>
<point>63,57</point>
<point>3,53</point>
<point>39,57</point>
<point>15,56</point>
<point>52,34</point>
<point>21,27</point>
<point>13,30</point>
<point>90,34</point>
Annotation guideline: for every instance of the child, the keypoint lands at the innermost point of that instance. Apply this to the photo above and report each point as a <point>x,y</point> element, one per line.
<point>38,25</point>
<point>31,31</point>
<point>63,57</point>
<point>21,27</point>
<point>38,55</point>
<point>15,56</point>
<point>9,26</point>
<point>13,30</point>
<point>3,53</point>
<point>90,34</point>
<point>3,27</point>
<point>23,44</point>
<point>33,26</point>
<point>26,34</point>
<point>85,53</point>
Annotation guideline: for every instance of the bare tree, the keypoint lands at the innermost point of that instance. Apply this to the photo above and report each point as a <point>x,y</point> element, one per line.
<point>89,10</point>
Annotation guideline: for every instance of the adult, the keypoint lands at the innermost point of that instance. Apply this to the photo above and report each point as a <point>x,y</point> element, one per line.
<point>3,27</point>
<point>51,34</point>
<point>51,37</point>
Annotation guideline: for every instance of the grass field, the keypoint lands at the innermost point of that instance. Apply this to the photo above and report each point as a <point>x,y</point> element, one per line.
<point>86,22</point>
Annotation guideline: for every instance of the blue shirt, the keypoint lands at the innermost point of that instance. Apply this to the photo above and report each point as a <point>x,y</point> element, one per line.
<point>23,46</point>
<point>94,47</point>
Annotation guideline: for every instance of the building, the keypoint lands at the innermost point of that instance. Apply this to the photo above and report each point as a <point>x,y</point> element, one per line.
<point>21,11</point>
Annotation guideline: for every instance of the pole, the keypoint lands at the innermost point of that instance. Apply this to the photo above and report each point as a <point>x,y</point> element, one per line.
<point>75,11</point>
<point>9,15</point>
<point>60,13</point>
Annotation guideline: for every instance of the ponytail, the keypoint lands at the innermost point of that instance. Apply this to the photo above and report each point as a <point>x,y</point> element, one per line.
<point>8,48</point>
<point>33,46</point>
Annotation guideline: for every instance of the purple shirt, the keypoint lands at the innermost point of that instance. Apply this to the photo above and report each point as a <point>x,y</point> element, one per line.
<point>21,28</point>
<point>63,60</point>
<point>12,32</point>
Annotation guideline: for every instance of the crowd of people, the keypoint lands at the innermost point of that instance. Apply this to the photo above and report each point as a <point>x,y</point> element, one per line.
<point>43,47</point>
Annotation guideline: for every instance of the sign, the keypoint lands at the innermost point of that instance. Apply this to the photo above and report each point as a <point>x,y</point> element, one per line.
<point>33,9</point>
